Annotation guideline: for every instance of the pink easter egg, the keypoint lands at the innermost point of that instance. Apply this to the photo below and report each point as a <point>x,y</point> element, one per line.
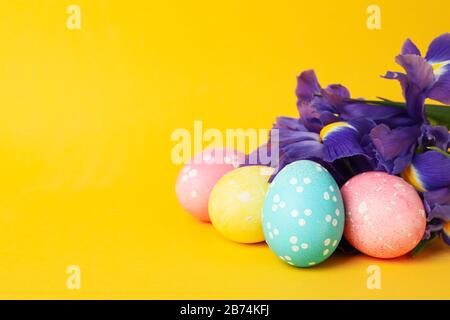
<point>198,177</point>
<point>385,217</point>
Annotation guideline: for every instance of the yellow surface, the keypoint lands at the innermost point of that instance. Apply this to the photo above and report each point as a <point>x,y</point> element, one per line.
<point>86,117</point>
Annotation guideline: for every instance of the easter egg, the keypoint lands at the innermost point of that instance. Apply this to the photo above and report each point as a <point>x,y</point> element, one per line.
<point>303,214</point>
<point>385,217</point>
<point>236,203</point>
<point>199,175</point>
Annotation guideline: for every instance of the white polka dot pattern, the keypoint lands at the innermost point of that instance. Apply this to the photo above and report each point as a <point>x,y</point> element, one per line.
<point>303,214</point>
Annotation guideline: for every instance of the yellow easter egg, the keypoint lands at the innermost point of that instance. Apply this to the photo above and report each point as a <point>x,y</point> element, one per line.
<point>236,202</point>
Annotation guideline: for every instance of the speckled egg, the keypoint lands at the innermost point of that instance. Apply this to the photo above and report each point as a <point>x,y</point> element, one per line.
<point>236,203</point>
<point>198,177</point>
<point>385,217</point>
<point>303,215</point>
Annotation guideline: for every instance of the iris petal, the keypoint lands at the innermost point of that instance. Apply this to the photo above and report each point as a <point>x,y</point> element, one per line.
<point>427,77</point>
<point>446,233</point>
<point>438,56</point>
<point>410,174</point>
<point>394,148</point>
<point>317,106</point>
<point>439,49</point>
<point>288,136</point>
<point>289,123</point>
<point>418,79</point>
<point>335,127</point>
<point>290,131</point>
<point>343,139</point>
<point>410,48</point>
<point>336,94</point>
<point>436,197</point>
<point>307,86</point>
<point>441,89</point>
<point>316,113</point>
<point>437,136</point>
<point>440,68</point>
<point>429,171</point>
<point>295,142</point>
<point>303,150</point>
<point>441,212</point>
<point>437,205</point>
<point>418,70</point>
<point>382,114</point>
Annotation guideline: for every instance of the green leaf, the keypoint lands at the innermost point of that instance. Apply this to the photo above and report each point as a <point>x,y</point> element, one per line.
<point>440,151</point>
<point>422,244</point>
<point>438,114</point>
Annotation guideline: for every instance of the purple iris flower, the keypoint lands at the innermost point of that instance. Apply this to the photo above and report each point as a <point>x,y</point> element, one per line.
<point>296,142</point>
<point>437,205</point>
<point>428,171</point>
<point>393,149</point>
<point>336,141</point>
<point>435,136</point>
<point>383,148</point>
<point>319,106</point>
<point>349,136</point>
<point>425,77</point>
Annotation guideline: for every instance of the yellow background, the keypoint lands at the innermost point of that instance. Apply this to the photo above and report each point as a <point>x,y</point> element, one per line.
<point>86,176</point>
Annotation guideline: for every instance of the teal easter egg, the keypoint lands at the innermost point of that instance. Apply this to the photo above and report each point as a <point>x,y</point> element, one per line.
<point>303,214</point>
